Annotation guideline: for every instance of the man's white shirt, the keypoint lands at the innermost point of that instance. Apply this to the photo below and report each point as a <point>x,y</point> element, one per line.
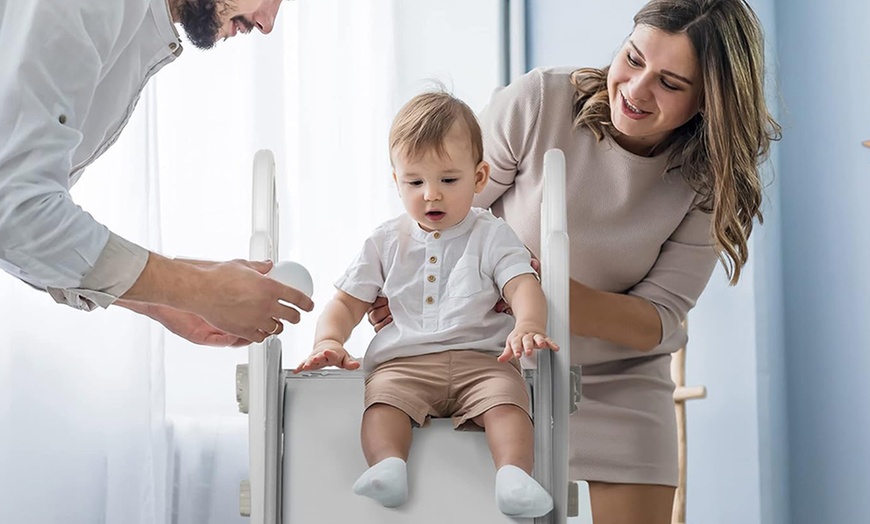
<point>70,77</point>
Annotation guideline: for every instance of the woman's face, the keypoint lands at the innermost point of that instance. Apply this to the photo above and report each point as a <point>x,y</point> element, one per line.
<point>654,87</point>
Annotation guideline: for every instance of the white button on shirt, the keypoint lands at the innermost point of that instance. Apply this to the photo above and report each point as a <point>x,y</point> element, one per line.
<point>442,285</point>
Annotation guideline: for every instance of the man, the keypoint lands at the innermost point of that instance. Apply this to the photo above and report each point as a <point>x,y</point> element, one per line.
<point>71,72</point>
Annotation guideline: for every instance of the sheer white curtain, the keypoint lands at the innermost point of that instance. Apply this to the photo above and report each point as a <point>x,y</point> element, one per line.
<point>82,435</point>
<point>318,93</point>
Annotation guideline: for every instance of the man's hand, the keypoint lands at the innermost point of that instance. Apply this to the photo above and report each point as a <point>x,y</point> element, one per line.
<point>239,299</point>
<point>186,325</point>
<point>328,353</point>
<point>380,314</point>
<point>524,340</point>
<point>193,328</point>
<point>236,298</point>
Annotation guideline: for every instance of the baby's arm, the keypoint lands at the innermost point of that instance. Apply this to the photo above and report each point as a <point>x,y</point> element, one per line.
<point>334,327</point>
<point>526,299</point>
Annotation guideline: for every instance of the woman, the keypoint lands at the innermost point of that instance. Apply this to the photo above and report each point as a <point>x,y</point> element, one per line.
<point>662,149</point>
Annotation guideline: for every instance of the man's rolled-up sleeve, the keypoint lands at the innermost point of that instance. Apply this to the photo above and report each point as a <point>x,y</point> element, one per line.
<point>116,270</point>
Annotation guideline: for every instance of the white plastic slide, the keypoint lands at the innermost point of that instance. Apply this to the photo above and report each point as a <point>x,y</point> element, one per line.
<point>259,386</point>
<point>304,429</point>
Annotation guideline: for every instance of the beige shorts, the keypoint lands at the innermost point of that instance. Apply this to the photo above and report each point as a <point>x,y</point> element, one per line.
<point>459,384</point>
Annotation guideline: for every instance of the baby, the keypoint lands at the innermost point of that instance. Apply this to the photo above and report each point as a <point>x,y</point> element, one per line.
<point>447,353</point>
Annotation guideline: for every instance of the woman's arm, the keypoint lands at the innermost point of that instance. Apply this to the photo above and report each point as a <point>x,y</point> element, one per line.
<point>624,319</point>
<point>654,308</point>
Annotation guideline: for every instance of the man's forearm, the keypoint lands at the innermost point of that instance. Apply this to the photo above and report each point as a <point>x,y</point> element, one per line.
<point>165,281</point>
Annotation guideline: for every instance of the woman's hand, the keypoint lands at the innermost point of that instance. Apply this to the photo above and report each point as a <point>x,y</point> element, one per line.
<point>379,314</point>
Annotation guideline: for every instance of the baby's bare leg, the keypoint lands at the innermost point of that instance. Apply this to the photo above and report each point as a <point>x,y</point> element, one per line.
<point>511,441</point>
<point>510,435</point>
<point>386,432</point>
<point>386,441</point>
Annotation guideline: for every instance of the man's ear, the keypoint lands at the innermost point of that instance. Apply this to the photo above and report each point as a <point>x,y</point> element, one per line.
<point>396,181</point>
<point>481,176</point>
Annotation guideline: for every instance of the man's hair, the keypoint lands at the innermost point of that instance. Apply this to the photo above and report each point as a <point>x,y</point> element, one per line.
<point>423,123</point>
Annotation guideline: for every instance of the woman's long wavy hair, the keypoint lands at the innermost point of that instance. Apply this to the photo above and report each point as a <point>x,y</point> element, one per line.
<point>719,150</point>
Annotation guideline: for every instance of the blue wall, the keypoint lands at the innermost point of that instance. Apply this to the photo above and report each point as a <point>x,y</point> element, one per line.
<point>773,470</point>
<point>825,74</point>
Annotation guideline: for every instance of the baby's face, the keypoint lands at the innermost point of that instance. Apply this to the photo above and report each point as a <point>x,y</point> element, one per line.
<point>437,190</point>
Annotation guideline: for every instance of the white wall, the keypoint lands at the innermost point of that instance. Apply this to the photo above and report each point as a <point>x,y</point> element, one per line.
<point>456,42</point>
<point>572,32</point>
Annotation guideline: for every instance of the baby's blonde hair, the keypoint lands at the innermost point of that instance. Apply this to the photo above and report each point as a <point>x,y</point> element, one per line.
<point>423,123</point>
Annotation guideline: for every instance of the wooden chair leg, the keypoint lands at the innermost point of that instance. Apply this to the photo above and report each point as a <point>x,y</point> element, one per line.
<point>681,395</point>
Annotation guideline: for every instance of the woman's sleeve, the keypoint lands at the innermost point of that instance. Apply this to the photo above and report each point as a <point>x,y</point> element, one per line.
<point>508,124</point>
<point>681,272</point>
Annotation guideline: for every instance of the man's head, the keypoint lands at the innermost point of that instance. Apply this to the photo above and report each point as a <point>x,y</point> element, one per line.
<point>436,150</point>
<point>207,21</point>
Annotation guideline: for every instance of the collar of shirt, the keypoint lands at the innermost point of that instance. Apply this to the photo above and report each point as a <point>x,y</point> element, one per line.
<point>174,39</point>
<point>463,227</point>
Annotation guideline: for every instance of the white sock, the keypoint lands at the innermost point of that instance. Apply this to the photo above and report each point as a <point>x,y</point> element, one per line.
<point>385,482</point>
<point>519,495</point>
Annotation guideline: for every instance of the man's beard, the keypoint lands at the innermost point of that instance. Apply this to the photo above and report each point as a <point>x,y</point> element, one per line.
<point>201,21</point>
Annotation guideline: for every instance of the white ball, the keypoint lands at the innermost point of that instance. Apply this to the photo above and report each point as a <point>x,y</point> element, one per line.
<point>294,275</point>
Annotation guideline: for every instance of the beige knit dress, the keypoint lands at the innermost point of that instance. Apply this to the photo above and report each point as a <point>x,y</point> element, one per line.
<point>634,228</point>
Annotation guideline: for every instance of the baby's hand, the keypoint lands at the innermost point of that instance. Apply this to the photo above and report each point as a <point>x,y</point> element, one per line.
<point>525,341</point>
<point>327,354</point>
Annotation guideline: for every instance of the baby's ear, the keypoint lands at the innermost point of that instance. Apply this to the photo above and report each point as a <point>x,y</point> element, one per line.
<point>481,176</point>
<point>396,185</point>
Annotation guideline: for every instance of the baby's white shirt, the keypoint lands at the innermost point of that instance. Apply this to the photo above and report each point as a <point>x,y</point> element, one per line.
<point>442,285</point>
